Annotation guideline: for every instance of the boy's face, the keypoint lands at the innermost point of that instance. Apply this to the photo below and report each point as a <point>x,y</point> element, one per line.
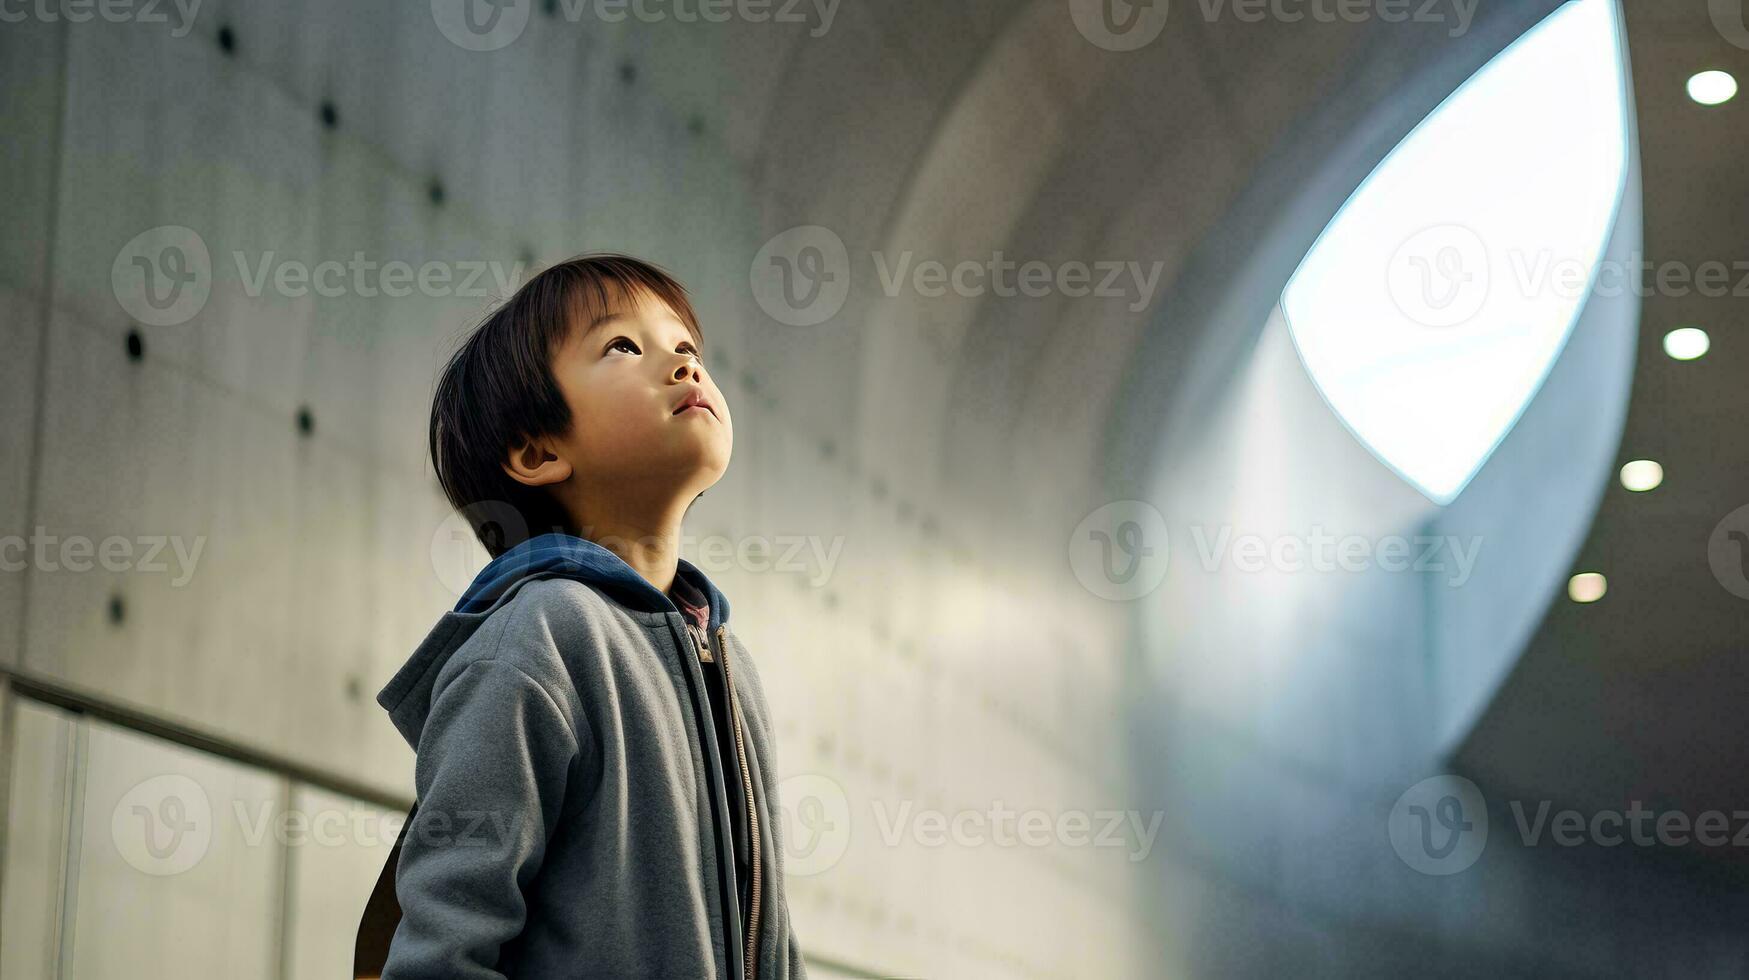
<point>627,378</point>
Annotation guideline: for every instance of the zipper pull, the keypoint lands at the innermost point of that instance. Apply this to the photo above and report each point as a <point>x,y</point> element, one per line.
<point>699,640</point>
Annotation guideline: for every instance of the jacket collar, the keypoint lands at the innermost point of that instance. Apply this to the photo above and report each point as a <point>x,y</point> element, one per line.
<point>566,555</point>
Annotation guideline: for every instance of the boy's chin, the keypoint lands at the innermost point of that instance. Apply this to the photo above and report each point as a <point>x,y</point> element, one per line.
<point>702,468</point>
<point>706,454</point>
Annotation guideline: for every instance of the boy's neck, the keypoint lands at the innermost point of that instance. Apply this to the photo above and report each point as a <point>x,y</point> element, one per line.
<point>647,540</point>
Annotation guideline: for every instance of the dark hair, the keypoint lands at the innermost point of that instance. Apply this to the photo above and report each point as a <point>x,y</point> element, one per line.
<point>498,389</point>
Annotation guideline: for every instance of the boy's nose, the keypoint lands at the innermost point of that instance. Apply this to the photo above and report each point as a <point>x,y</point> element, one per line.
<point>689,367</point>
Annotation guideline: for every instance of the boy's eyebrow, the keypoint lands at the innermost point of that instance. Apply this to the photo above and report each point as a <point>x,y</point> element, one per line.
<point>598,321</point>
<point>607,318</point>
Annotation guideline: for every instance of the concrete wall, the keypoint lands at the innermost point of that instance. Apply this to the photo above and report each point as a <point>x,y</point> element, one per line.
<point>281,432</point>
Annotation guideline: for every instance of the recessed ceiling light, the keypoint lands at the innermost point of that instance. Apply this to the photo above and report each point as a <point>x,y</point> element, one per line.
<point>1712,87</point>
<point>1640,475</point>
<point>1586,587</point>
<point>1686,343</point>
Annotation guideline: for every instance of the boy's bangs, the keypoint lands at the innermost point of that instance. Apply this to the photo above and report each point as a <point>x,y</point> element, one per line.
<point>594,293</point>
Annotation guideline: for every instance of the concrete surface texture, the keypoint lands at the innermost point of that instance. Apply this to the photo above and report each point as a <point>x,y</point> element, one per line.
<point>923,433</point>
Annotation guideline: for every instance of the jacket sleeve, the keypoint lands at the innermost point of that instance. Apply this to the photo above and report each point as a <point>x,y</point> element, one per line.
<point>492,764</point>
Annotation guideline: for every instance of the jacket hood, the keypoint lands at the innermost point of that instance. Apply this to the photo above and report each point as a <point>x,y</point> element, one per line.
<point>550,555</point>
<point>407,696</point>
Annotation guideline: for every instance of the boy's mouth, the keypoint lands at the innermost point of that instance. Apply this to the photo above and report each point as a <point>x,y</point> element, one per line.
<point>694,399</point>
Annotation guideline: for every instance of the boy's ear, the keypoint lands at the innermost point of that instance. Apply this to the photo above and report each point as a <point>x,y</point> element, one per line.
<point>532,463</point>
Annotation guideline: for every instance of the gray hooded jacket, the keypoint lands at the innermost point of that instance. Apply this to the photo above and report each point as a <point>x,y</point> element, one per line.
<point>572,816</point>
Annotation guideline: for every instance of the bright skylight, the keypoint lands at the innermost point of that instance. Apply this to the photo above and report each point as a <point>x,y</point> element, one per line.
<point>1432,307</point>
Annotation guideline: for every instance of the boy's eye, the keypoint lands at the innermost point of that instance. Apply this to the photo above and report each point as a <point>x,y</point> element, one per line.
<point>626,344</point>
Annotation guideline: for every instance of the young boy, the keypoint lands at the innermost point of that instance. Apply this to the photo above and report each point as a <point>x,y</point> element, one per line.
<point>595,780</point>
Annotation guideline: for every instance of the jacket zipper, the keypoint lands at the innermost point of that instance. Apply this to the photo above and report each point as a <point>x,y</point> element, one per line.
<point>701,638</point>
<point>750,962</point>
